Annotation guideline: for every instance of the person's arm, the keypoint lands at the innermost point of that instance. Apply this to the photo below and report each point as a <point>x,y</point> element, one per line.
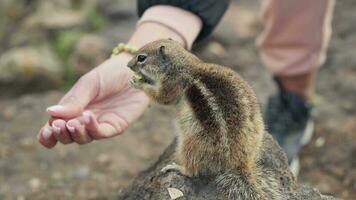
<point>101,104</point>
<point>106,83</point>
<point>153,26</point>
<point>210,12</point>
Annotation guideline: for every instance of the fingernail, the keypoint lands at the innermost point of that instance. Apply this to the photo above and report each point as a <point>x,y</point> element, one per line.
<point>56,129</point>
<point>55,108</point>
<point>86,117</point>
<point>70,129</point>
<point>46,133</point>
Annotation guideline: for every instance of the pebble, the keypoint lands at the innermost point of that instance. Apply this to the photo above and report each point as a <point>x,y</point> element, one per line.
<point>57,176</point>
<point>216,48</point>
<point>174,193</point>
<point>103,159</point>
<point>27,143</point>
<point>20,197</point>
<point>9,113</point>
<point>320,142</point>
<point>82,172</point>
<point>34,183</point>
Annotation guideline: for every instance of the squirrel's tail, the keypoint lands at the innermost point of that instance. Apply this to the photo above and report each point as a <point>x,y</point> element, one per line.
<point>236,186</point>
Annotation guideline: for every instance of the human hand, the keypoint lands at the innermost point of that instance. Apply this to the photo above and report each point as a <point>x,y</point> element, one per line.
<point>100,105</point>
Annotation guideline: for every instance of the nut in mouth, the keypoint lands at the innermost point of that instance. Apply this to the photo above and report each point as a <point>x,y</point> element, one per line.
<point>139,78</point>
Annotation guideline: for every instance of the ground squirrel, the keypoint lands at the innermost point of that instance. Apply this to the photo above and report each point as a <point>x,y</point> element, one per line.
<point>219,120</point>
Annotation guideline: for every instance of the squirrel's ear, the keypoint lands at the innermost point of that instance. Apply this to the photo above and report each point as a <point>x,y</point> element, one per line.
<point>162,52</point>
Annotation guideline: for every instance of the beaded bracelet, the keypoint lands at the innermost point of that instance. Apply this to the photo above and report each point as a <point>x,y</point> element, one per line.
<point>122,47</point>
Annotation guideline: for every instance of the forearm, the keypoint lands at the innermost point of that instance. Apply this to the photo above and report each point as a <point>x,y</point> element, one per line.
<point>162,21</point>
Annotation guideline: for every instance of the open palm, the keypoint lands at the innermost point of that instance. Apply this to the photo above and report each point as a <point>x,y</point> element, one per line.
<point>113,114</point>
<point>100,105</point>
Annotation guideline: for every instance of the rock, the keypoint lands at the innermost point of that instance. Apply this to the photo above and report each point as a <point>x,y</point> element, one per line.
<point>28,37</point>
<point>153,184</point>
<point>20,67</point>
<point>55,20</point>
<point>90,51</point>
<point>11,15</point>
<point>117,10</point>
<point>59,15</point>
<point>14,10</point>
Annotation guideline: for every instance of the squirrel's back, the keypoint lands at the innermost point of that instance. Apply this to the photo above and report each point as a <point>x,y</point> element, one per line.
<point>220,124</point>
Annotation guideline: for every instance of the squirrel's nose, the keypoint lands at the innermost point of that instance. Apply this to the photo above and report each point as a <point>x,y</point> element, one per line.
<point>131,65</point>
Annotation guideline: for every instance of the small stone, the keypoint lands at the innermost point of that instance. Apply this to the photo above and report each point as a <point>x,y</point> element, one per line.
<point>57,176</point>
<point>174,193</point>
<point>4,152</point>
<point>9,112</point>
<point>34,184</point>
<point>20,197</point>
<point>82,172</point>
<point>27,143</point>
<point>216,48</point>
<point>103,159</point>
<point>320,142</point>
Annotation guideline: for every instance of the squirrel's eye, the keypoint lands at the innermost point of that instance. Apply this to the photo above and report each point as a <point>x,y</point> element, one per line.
<point>141,58</point>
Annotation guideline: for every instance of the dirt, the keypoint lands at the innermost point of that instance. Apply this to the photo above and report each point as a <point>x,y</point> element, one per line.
<point>102,168</point>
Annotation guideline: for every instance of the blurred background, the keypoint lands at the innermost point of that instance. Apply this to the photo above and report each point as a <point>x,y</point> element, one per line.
<point>45,45</point>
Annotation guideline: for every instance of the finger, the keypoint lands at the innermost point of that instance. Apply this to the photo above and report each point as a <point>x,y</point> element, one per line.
<point>78,132</point>
<point>100,130</point>
<point>46,137</point>
<point>60,131</point>
<point>73,103</point>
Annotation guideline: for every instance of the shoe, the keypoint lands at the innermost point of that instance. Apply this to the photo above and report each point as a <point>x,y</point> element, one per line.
<point>288,118</point>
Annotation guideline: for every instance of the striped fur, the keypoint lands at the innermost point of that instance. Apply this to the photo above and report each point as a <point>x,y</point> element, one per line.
<point>220,128</point>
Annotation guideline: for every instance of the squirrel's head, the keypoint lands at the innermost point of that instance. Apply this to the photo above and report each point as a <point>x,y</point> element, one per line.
<point>161,70</point>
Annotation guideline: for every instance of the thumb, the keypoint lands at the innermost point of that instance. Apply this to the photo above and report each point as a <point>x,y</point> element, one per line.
<point>78,97</point>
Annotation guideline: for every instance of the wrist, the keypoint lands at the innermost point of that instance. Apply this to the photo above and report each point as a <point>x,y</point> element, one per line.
<point>152,26</point>
<point>149,32</point>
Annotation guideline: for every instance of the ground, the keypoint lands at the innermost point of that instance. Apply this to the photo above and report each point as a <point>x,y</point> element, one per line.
<point>102,168</point>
